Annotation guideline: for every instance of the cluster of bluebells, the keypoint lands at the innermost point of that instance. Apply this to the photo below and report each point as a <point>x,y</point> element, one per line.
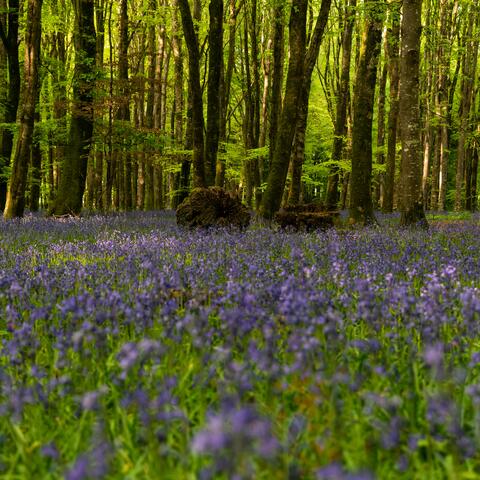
<point>129,346</point>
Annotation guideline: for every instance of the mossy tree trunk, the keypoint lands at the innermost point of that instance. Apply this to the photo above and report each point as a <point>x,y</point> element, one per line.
<point>469,71</point>
<point>361,204</point>
<point>284,138</point>
<point>277,73</point>
<point>74,172</point>
<point>343,99</point>
<point>298,150</point>
<point>9,37</point>
<point>226,82</point>
<point>15,204</point>
<point>393,52</point>
<point>412,209</point>
<point>215,66</point>
<point>195,90</point>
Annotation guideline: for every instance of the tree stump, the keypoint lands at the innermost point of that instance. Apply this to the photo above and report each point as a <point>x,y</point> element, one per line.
<point>307,217</point>
<point>212,207</point>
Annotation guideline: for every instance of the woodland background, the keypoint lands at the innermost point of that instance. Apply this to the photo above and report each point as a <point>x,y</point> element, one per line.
<point>122,105</point>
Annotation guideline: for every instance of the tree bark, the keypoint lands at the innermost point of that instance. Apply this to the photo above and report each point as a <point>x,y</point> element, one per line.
<point>361,205</point>
<point>191,41</point>
<point>412,210</point>
<point>343,98</point>
<point>277,74</point>
<point>298,150</point>
<point>10,42</point>
<point>215,65</point>
<point>469,69</point>
<point>15,203</point>
<point>380,181</point>
<point>123,114</point>
<point>73,177</point>
<point>393,44</point>
<point>36,167</point>
<point>227,82</point>
<point>293,88</point>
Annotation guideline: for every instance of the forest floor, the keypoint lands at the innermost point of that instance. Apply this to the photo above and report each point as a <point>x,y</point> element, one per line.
<point>131,348</point>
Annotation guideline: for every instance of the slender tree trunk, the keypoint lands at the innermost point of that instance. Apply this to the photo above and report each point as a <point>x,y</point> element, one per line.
<point>36,168</point>
<point>393,44</point>
<point>182,178</point>
<point>10,42</point>
<point>412,211</point>
<point>99,151</point>
<point>298,150</point>
<point>474,179</point>
<point>380,185</point>
<point>191,41</point>
<point>226,88</point>
<point>469,69</point>
<point>343,98</point>
<point>123,114</point>
<point>277,74</point>
<point>73,178</point>
<point>361,205</point>
<point>293,89</point>
<point>438,201</point>
<point>149,121</point>
<point>15,203</point>
<point>111,161</point>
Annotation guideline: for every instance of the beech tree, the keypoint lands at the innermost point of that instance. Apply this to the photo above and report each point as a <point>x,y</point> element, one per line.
<point>412,211</point>
<point>9,26</point>
<point>74,169</point>
<point>15,203</point>
<point>343,98</point>
<point>142,120</point>
<point>361,204</point>
<point>298,150</point>
<point>284,137</point>
<point>393,54</point>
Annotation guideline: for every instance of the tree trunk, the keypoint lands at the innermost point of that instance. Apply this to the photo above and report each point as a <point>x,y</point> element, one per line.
<point>380,183</point>
<point>227,81</point>
<point>123,114</point>
<point>298,150</point>
<point>72,182</point>
<point>36,170</point>
<point>343,98</point>
<point>100,150</point>
<point>294,84</point>
<point>393,43</point>
<point>191,41</point>
<point>469,69</point>
<point>277,74</point>
<point>412,211</point>
<point>361,205</point>
<point>15,203</point>
<point>10,42</point>
<point>215,64</point>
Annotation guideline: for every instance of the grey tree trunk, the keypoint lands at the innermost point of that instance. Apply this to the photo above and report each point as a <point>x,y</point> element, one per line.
<point>10,42</point>
<point>284,138</point>
<point>412,210</point>
<point>215,66</point>
<point>191,41</point>
<point>74,171</point>
<point>343,99</point>
<point>15,203</point>
<point>361,204</point>
<point>469,69</point>
<point>298,150</point>
<point>393,52</point>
